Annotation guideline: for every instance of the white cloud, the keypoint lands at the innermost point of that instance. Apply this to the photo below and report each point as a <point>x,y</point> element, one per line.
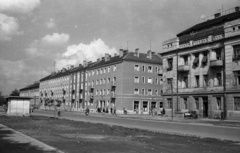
<point>56,38</point>
<point>8,27</point>
<point>50,24</point>
<point>75,54</point>
<point>14,74</point>
<point>21,6</point>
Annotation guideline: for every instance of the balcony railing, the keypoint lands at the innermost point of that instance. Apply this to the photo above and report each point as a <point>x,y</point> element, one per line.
<point>183,68</point>
<point>216,63</point>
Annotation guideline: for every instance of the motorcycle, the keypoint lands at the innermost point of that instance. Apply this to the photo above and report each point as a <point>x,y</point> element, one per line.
<point>87,111</point>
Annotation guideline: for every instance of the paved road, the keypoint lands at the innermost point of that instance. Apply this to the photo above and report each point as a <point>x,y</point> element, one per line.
<point>196,129</point>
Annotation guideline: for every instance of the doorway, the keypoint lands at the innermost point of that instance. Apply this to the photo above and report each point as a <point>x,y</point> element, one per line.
<point>136,107</point>
<point>205,107</point>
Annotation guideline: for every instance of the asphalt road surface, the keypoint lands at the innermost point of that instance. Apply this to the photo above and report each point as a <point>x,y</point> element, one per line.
<point>194,129</point>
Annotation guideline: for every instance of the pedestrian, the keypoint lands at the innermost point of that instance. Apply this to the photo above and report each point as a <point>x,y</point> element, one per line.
<point>222,116</point>
<point>114,111</point>
<point>111,110</point>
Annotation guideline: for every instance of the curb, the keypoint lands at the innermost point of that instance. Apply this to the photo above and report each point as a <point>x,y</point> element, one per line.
<point>32,141</point>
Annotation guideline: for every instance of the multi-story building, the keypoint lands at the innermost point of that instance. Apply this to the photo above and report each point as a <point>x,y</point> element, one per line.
<point>31,91</point>
<point>128,81</point>
<point>56,87</point>
<point>201,68</point>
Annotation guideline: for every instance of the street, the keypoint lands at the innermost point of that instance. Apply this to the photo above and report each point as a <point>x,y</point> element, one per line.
<point>194,129</point>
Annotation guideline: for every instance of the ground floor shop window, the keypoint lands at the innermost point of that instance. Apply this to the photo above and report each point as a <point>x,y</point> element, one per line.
<point>237,103</point>
<point>197,103</point>
<point>185,103</point>
<point>219,103</point>
<point>145,106</point>
<point>136,106</point>
<point>169,103</point>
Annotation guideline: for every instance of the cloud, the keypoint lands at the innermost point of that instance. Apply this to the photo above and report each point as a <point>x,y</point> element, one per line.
<point>19,6</point>
<point>14,74</point>
<point>8,27</point>
<point>51,24</point>
<point>56,39</point>
<point>75,54</point>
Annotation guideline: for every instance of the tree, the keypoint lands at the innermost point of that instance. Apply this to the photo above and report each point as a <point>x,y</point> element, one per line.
<point>2,99</point>
<point>15,93</point>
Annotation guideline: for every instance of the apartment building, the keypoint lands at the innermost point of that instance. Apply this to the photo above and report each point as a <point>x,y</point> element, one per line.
<point>201,68</point>
<point>31,91</point>
<point>129,81</point>
<point>56,87</point>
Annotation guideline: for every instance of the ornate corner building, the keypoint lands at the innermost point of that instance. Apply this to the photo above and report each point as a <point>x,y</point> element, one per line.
<point>201,68</point>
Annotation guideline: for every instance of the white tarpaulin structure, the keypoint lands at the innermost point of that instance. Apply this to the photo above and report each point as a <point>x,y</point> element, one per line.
<point>18,106</point>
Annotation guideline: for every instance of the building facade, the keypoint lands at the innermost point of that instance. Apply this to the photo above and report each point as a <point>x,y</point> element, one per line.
<point>129,81</point>
<point>31,91</point>
<point>201,68</point>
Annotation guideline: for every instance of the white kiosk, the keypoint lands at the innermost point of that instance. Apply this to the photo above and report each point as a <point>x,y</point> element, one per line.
<point>18,106</point>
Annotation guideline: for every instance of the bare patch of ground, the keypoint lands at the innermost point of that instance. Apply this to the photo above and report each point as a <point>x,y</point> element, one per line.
<point>71,136</point>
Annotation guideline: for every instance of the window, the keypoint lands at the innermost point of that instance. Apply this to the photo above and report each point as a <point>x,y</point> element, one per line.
<point>108,91</point>
<point>100,81</point>
<point>143,91</point>
<point>136,79</point>
<point>103,92</point>
<point>150,69</point>
<point>197,81</point>
<point>205,80</point>
<point>236,79</point>
<point>219,54</point>
<point>205,59</point>
<point>104,80</point>
<point>156,69</point>
<point>108,69</point>
<point>169,64</point>
<point>96,92</point>
<point>149,91</point>
<point>237,103</point>
<point>104,70</point>
<point>219,79</point>
<point>236,52</point>
<point>136,91</point>
<point>219,103</point>
<point>156,80</point>
<point>185,59</point>
<point>136,67</point>
<point>185,103</point>
<point>97,71</point>
<point>196,60</point>
<point>143,68</point>
<point>169,103</point>
<point>185,82</point>
<point>114,68</point>
<point>96,82</point>
<point>101,70</point>
<point>156,92</point>
<point>92,72</point>
<point>108,81</point>
<point>114,79</point>
<point>143,80</point>
<point>197,103</point>
<point>169,83</point>
<point>150,80</point>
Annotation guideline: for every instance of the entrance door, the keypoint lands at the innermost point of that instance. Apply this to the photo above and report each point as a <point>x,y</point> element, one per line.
<point>145,106</point>
<point>205,107</point>
<point>136,106</point>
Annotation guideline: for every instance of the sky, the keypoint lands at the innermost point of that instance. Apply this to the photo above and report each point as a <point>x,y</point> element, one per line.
<point>40,36</point>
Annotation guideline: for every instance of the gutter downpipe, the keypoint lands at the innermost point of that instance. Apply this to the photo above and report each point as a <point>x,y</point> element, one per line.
<point>224,85</point>
<point>177,81</point>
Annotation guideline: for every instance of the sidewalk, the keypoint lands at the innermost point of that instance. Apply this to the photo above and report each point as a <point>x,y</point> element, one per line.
<point>203,121</point>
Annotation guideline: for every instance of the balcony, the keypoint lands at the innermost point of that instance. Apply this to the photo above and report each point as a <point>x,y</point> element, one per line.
<point>216,63</point>
<point>113,95</point>
<point>183,68</point>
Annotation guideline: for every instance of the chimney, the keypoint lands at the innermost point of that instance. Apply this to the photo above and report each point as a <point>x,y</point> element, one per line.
<point>106,57</point>
<point>149,54</point>
<point>237,9</point>
<point>217,15</point>
<point>120,52</point>
<point>137,52</point>
<point>85,63</point>
<point>125,52</point>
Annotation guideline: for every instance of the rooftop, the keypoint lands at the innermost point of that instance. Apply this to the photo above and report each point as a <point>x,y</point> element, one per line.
<point>35,85</point>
